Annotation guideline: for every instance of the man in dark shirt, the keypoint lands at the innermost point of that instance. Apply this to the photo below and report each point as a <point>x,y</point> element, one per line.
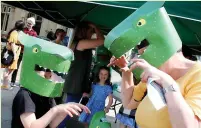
<point>30,31</point>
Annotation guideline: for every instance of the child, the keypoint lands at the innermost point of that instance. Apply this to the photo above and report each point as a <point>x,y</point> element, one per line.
<point>101,89</point>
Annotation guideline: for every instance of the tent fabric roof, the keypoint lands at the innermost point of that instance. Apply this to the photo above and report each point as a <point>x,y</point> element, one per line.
<point>174,8</point>
<point>185,16</point>
<point>62,11</point>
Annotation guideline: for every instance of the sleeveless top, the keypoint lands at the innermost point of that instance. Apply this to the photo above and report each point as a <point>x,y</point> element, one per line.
<point>77,80</point>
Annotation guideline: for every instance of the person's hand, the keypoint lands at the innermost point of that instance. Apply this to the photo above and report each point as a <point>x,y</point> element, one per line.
<point>149,71</point>
<point>85,94</point>
<point>71,109</point>
<point>120,62</point>
<point>106,110</point>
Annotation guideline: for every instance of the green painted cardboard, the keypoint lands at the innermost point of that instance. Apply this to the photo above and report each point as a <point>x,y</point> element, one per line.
<point>48,55</point>
<point>150,22</point>
<point>96,121</point>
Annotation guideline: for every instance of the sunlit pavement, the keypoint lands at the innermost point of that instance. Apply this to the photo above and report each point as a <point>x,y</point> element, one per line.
<point>8,95</point>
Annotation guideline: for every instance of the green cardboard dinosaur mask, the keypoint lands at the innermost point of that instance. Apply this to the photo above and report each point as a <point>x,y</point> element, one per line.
<point>98,122</point>
<point>48,56</point>
<point>150,22</point>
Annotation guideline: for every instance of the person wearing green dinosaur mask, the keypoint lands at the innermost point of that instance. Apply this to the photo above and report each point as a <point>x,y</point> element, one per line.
<point>162,61</point>
<point>33,105</point>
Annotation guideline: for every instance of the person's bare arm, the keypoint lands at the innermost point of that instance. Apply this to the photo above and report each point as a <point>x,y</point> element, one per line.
<point>107,108</point>
<point>91,43</point>
<point>184,110</point>
<point>53,117</point>
<point>29,119</point>
<point>14,50</point>
<point>57,120</point>
<point>110,101</point>
<point>73,109</point>
<point>127,82</point>
<point>127,88</point>
<point>181,114</point>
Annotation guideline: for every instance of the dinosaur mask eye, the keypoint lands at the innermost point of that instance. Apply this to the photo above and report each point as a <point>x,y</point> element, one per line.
<point>141,22</point>
<point>35,50</point>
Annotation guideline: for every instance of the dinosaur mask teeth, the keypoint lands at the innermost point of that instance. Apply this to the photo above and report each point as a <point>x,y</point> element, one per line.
<point>51,75</point>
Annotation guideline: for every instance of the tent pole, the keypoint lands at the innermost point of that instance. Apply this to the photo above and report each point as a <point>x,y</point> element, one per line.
<point>71,36</point>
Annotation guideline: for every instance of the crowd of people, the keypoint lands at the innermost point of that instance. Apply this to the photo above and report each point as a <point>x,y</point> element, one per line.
<point>180,76</point>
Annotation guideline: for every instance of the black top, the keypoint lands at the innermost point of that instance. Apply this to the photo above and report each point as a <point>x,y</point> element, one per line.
<point>77,80</point>
<point>26,101</point>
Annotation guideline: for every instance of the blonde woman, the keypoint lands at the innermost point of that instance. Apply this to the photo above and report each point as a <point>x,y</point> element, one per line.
<point>181,80</point>
<point>14,46</point>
